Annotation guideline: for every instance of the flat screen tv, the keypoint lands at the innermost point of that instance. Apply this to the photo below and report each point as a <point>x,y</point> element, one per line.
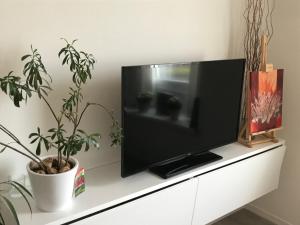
<point>173,114</point>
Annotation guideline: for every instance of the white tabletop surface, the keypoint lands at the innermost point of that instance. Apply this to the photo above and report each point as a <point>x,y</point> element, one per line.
<point>105,187</point>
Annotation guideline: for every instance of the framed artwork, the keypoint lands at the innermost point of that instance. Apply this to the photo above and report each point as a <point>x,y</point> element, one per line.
<point>265,102</point>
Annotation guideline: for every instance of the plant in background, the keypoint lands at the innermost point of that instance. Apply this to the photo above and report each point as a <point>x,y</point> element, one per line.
<point>145,96</point>
<point>38,82</point>
<point>4,201</point>
<point>174,106</point>
<point>144,100</point>
<point>174,103</point>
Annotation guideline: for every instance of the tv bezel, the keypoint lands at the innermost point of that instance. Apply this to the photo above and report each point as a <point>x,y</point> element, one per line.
<point>206,149</point>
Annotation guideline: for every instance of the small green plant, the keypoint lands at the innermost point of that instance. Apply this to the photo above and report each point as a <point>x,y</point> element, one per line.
<point>38,82</point>
<point>174,103</point>
<point>145,96</point>
<point>6,202</point>
<point>144,100</point>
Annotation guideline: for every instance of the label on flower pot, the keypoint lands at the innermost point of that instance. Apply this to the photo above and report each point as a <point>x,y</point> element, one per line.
<point>79,185</point>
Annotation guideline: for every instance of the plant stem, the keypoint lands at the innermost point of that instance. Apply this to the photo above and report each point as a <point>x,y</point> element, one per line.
<point>76,121</point>
<point>38,158</point>
<point>110,113</point>
<point>95,104</point>
<point>5,130</point>
<point>49,106</point>
<point>59,156</point>
<point>58,120</point>
<point>76,124</point>
<point>76,116</point>
<point>22,153</point>
<point>82,113</point>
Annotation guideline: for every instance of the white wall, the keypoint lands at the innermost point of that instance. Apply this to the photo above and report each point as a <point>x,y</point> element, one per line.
<point>117,32</point>
<point>283,205</point>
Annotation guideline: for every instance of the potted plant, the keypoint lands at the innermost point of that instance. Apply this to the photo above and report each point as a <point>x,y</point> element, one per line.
<point>174,106</point>
<point>144,100</point>
<point>8,204</point>
<point>52,178</point>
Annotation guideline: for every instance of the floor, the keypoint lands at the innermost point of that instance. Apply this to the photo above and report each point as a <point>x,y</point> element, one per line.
<point>243,217</point>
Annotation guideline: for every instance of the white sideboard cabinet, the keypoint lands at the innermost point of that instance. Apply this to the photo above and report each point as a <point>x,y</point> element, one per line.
<point>173,205</point>
<point>231,187</point>
<point>197,197</point>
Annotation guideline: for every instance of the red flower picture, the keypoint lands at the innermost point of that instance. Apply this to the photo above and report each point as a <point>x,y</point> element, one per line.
<point>265,111</point>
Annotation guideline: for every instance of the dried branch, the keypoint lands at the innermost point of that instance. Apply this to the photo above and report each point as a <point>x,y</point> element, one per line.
<point>258,17</point>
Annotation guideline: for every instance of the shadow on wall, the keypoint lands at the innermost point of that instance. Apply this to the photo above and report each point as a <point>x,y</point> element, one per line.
<point>236,38</point>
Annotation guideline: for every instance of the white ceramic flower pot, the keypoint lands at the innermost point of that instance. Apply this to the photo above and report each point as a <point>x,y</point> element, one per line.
<point>53,192</point>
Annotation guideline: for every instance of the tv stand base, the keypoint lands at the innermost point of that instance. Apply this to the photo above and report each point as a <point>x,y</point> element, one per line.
<point>183,164</point>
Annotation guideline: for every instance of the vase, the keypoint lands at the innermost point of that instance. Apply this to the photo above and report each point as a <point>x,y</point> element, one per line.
<point>53,192</point>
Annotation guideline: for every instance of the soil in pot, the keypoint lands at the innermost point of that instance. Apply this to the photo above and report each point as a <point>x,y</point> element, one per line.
<point>51,166</point>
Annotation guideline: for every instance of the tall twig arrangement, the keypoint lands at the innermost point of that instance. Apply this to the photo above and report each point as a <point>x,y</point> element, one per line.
<point>258,17</point>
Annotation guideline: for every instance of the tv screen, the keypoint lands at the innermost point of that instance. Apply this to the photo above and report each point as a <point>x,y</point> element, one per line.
<point>172,110</point>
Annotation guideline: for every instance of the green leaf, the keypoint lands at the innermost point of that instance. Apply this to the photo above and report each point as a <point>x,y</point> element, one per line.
<point>32,135</point>
<point>28,92</point>
<point>81,131</point>
<point>25,57</point>
<point>38,149</point>
<point>64,60</point>
<point>1,219</point>
<point>34,140</point>
<point>87,147</point>
<point>19,188</point>
<point>46,144</point>
<point>2,149</point>
<point>53,136</point>
<point>17,100</point>
<point>61,51</point>
<point>45,92</point>
<point>35,85</point>
<point>61,148</point>
<point>11,208</point>
<point>52,130</point>
<point>23,188</point>
<point>74,41</point>
<point>11,72</point>
<point>89,73</point>
<point>95,135</point>
<point>29,80</point>
<point>39,78</point>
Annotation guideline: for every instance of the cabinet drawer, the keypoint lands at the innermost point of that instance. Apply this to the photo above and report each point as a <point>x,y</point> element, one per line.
<point>229,188</point>
<point>173,205</point>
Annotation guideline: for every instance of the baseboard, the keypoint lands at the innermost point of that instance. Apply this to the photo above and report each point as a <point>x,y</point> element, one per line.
<point>267,215</point>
